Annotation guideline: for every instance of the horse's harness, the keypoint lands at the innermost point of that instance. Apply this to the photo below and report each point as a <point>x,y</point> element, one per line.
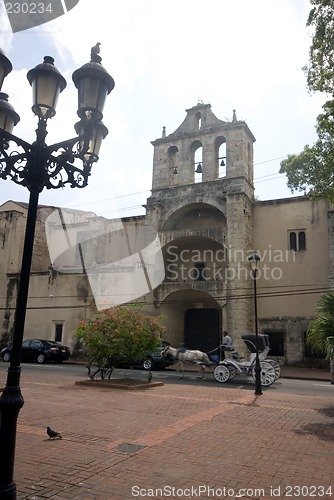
<point>181,349</point>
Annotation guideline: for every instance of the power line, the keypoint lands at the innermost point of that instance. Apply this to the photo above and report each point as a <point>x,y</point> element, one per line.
<point>268,161</point>
<point>112,198</point>
<point>246,293</point>
<point>267,177</point>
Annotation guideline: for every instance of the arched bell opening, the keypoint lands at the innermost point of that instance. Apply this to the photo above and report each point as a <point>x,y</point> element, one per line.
<point>196,150</point>
<point>220,157</point>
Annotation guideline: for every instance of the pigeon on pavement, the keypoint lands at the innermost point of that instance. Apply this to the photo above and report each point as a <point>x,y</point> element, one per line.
<point>53,434</point>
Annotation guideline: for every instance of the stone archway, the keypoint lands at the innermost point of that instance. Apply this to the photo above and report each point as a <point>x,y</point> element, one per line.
<point>193,319</point>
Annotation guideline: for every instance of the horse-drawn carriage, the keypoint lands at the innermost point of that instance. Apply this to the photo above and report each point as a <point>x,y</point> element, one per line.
<point>232,364</point>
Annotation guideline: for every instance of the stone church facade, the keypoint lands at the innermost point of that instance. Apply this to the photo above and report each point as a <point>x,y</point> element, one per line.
<point>203,213</point>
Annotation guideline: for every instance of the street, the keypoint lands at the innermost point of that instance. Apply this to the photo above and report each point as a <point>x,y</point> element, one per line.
<point>187,438</point>
<point>78,371</point>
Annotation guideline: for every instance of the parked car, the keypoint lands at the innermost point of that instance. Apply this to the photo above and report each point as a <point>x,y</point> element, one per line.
<point>40,350</point>
<point>152,360</point>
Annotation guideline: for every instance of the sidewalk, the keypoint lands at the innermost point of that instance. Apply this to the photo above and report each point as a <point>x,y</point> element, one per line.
<point>306,373</point>
<point>174,441</point>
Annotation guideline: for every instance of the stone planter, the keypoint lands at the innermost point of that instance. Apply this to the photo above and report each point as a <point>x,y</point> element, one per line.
<point>124,384</point>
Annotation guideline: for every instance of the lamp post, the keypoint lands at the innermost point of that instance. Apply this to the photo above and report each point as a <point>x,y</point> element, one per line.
<point>254,260</point>
<point>37,166</point>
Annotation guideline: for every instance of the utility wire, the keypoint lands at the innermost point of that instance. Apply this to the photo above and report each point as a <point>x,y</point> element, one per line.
<point>246,293</point>
<point>267,177</point>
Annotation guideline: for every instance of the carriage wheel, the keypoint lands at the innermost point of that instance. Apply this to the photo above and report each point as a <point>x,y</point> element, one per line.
<point>231,368</point>
<point>267,373</point>
<point>276,367</point>
<point>221,373</point>
<point>233,371</point>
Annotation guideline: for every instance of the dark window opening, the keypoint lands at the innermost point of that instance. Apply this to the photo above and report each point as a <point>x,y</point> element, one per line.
<point>59,332</point>
<point>276,342</point>
<point>301,240</point>
<point>293,242</point>
<point>199,271</point>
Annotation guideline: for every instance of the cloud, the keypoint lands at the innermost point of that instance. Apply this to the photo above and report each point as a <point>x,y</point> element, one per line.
<point>164,57</point>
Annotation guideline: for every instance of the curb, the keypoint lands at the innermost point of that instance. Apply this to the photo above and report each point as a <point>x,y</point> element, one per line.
<point>300,377</point>
<point>111,384</point>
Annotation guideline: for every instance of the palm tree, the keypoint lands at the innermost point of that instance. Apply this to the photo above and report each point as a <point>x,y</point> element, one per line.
<point>323,325</point>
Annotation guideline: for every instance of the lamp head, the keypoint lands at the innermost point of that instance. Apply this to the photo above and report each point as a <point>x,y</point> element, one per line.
<point>91,137</point>
<point>93,83</point>
<point>253,260</point>
<point>8,116</point>
<point>5,67</point>
<point>47,83</point>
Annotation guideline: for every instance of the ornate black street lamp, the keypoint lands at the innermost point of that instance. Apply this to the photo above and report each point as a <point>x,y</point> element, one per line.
<point>38,166</point>
<point>254,260</point>
<point>5,67</point>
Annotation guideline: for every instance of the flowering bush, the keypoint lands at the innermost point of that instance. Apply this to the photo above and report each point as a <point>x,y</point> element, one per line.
<point>119,331</point>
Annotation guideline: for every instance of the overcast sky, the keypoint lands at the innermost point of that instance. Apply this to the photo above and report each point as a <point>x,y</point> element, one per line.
<point>164,57</point>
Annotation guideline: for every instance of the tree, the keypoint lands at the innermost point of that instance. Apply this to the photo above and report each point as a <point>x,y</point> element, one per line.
<point>322,326</point>
<point>320,70</point>
<point>311,171</point>
<point>118,332</point>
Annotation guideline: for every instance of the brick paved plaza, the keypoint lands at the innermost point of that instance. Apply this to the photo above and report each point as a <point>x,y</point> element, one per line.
<point>174,441</point>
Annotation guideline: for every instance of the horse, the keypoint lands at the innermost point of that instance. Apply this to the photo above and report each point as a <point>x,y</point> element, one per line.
<point>187,356</point>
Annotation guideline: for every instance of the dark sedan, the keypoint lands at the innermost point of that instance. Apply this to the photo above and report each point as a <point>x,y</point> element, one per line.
<point>40,351</point>
<point>152,360</point>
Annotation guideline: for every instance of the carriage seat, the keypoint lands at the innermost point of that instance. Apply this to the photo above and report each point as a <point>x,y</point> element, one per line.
<point>262,355</point>
<point>228,347</point>
<point>229,353</point>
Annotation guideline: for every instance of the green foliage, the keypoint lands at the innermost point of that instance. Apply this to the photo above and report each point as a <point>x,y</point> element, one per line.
<point>320,70</point>
<point>119,331</point>
<point>323,325</point>
<point>311,171</point>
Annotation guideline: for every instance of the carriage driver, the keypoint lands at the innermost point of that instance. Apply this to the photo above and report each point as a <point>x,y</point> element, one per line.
<point>227,344</point>
<point>227,341</point>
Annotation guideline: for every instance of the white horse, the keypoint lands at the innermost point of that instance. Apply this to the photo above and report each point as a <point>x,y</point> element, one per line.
<point>187,356</point>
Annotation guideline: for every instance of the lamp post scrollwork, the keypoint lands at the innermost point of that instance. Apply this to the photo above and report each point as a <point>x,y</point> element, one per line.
<point>37,166</point>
